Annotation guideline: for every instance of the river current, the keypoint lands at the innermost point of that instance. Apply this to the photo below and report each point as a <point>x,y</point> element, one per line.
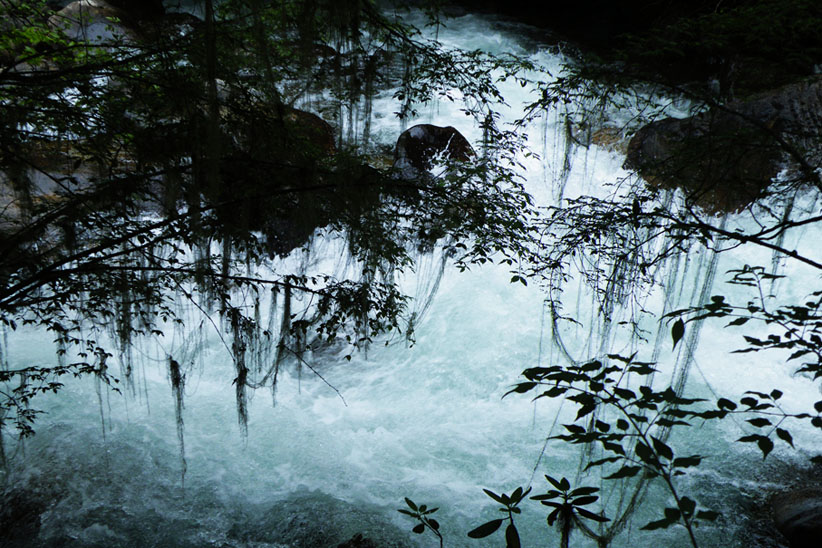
<point>425,421</point>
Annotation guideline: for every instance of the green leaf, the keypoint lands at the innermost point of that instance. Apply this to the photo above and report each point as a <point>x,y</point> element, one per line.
<point>580,491</point>
<point>709,515</point>
<point>585,410</point>
<point>626,471</point>
<point>494,496</point>
<point>411,504</point>
<point>552,504</point>
<point>485,529</point>
<point>564,485</point>
<point>435,525</point>
<point>407,512</point>
<point>590,515</point>
<point>785,436</point>
<point>547,496</point>
<point>765,445</point>
<point>687,505</point>
<point>624,393</point>
<point>645,454</point>
<point>759,422</point>
<point>521,388</point>
<point>615,447</point>
<point>750,402</point>
<point>583,501</point>
<point>672,513</point>
<point>511,536</point>
<point>685,462</point>
<point>642,369</point>
<point>600,462</point>
<point>574,428</point>
<point>724,403</point>
<point>659,524</point>
<point>555,391</point>
<point>554,482</point>
<point>419,528</point>
<point>662,449</point>
<point>677,331</point>
<point>520,279</point>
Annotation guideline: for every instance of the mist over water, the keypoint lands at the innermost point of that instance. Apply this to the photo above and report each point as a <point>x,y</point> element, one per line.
<point>425,421</point>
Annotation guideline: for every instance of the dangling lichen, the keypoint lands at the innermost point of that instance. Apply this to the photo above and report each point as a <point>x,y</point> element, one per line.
<point>177,378</point>
<point>238,351</point>
<point>100,379</point>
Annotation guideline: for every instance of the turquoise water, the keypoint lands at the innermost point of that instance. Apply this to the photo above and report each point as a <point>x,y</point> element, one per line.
<point>425,422</point>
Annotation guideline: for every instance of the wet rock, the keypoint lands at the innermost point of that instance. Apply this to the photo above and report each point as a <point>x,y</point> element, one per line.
<point>420,146</point>
<point>310,130</point>
<point>726,158</point>
<point>272,155</point>
<point>311,518</point>
<point>357,541</point>
<point>798,516</point>
<point>20,516</point>
<point>610,138</point>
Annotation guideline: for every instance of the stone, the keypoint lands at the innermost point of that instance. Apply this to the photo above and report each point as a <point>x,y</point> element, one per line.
<point>358,541</point>
<point>275,148</point>
<point>798,516</point>
<point>610,138</point>
<point>724,159</point>
<point>20,516</point>
<point>315,519</point>
<point>420,146</point>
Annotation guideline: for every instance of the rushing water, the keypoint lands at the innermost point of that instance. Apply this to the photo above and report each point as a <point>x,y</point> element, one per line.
<point>426,422</point>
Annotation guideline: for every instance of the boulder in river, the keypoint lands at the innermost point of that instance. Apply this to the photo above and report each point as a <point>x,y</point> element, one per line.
<point>420,146</point>
<point>726,157</point>
<point>798,516</point>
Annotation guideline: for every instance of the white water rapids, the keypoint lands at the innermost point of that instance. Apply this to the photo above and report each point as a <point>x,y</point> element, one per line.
<point>425,422</point>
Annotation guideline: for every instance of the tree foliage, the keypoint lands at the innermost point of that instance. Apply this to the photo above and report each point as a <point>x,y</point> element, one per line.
<point>163,165</point>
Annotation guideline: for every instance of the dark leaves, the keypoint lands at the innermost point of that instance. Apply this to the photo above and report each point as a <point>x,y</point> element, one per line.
<point>662,449</point>
<point>521,388</point>
<point>724,403</point>
<point>511,537</point>
<point>677,331</point>
<point>785,436</point>
<point>485,529</point>
<point>765,444</point>
<point>590,515</point>
<point>626,471</point>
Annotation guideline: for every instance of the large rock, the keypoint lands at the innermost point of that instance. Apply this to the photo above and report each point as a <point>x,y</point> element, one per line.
<point>726,158</point>
<point>314,519</point>
<point>419,147</point>
<point>798,516</point>
<point>20,519</point>
<point>271,163</point>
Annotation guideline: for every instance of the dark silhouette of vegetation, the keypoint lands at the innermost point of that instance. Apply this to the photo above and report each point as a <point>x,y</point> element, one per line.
<point>170,165</point>
<point>164,164</point>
